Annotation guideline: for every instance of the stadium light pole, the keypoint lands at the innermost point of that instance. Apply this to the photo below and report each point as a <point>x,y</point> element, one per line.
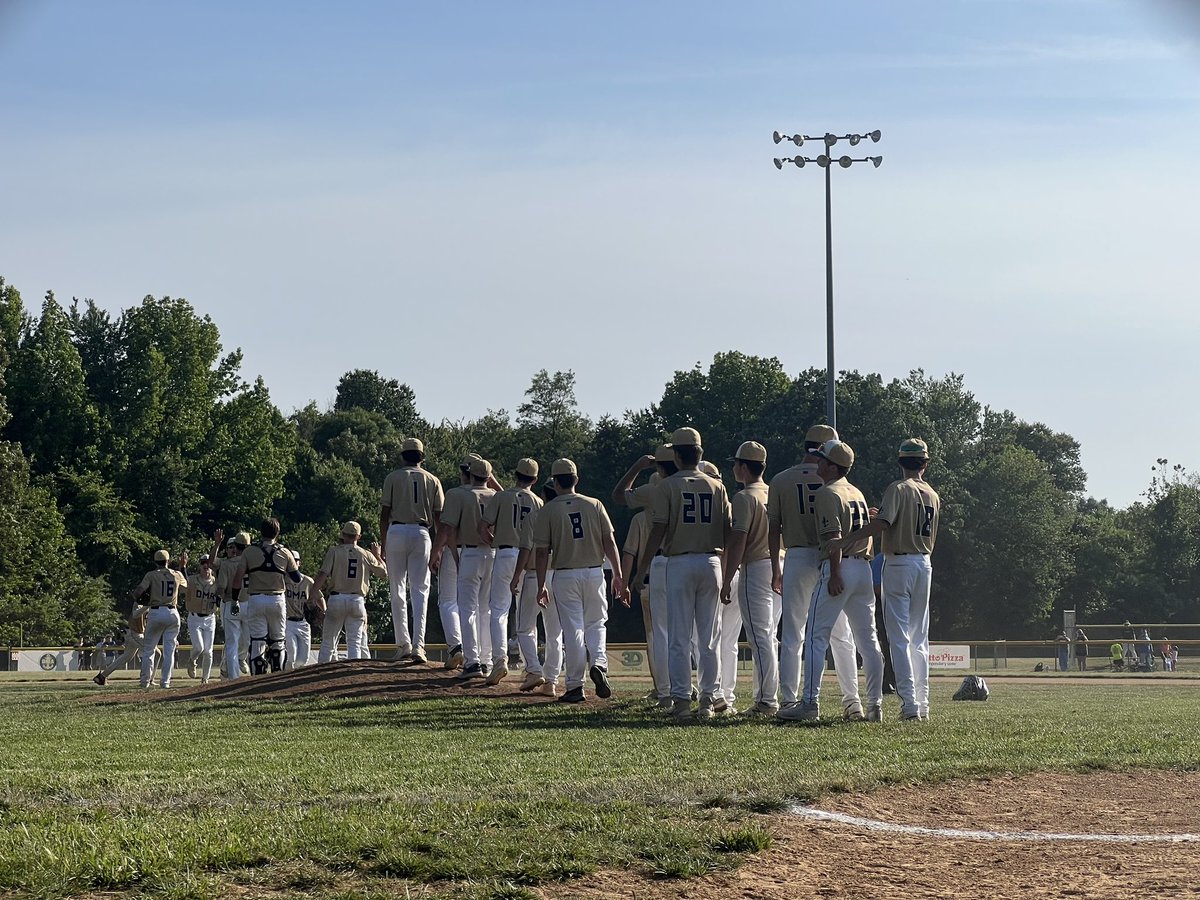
<point>826,161</point>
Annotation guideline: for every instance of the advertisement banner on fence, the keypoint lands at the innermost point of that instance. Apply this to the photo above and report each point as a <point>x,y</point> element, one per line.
<point>46,660</point>
<point>949,656</point>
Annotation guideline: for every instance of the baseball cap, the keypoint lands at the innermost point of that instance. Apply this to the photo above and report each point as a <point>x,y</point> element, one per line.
<point>242,538</point>
<point>563,467</point>
<point>664,453</point>
<point>233,540</point>
<point>685,437</point>
<point>296,555</point>
<point>204,557</point>
<point>751,451</point>
<point>528,467</point>
<point>819,434</point>
<point>480,468</point>
<point>708,469</point>
<point>914,448</point>
<point>466,460</point>
<point>162,556</point>
<point>352,528</point>
<point>837,453</point>
<point>412,444</point>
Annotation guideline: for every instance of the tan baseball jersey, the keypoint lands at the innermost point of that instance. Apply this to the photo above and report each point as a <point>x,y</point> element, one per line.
<point>573,527</point>
<point>641,497</point>
<point>202,595</point>
<point>695,509</point>
<point>164,585</point>
<point>137,618</point>
<point>413,495</point>
<point>637,541</point>
<point>225,579</point>
<point>507,512</point>
<point>911,508</point>
<point>348,568</point>
<point>464,510</point>
<point>750,517</point>
<point>842,509</point>
<point>296,596</point>
<point>792,503</point>
<point>267,567</point>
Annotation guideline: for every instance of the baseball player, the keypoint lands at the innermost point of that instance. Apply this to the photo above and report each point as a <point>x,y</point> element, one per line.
<point>267,566</point>
<point>538,676</point>
<point>907,522</point>
<point>633,556</point>
<point>161,587</point>
<point>135,637</point>
<point>409,513</point>
<point>729,630</point>
<point>230,594</point>
<point>691,520</point>
<point>299,600</point>
<point>459,531</point>
<point>201,605</point>
<point>791,515</point>
<point>844,585</point>
<point>445,565</point>
<point>348,569</point>
<point>653,568</point>
<point>748,556</point>
<point>573,535</point>
<point>503,518</point>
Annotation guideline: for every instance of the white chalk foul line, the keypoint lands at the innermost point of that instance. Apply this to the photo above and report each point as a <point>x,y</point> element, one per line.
<point>807,812</point>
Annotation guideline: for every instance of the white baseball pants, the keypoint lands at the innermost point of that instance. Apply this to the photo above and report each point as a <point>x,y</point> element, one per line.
<point>693,595</point>
<point>134,644</point>
<point>407,555</point>
<point>474,563</point>
<point>231,628</point>
<point>298,638</point>
<point>348,611</point>
<point>856,603</point>
<point>500,601</point>
<point>162,624</point>
<point>906,583</point>
<point>582,611</point>
<point>448,600</point>
<point>801,572</point>
<point>263,618</point>
<point>660,646</point>
<point>203,632</point>
<point>758,604</point>
<point>527,636</point>
<point>729,628</point>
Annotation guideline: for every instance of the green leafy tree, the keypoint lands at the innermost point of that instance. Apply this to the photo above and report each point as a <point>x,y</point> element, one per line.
<point>549,424</point>
<point>396,402</point>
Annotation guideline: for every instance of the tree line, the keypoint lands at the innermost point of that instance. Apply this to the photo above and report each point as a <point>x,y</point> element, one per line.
<point>121,434</point>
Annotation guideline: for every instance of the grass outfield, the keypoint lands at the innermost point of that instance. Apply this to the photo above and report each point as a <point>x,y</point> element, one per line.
<point>484,798</point>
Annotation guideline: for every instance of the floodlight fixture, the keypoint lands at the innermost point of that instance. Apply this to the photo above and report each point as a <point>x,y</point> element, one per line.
<point>826,161</point>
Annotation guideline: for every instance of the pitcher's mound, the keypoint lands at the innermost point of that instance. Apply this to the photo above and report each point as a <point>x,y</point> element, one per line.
<point>364,679</point>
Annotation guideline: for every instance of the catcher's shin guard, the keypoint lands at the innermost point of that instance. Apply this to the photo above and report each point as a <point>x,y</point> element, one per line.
<point>258,664</point>
<point>276,654</point>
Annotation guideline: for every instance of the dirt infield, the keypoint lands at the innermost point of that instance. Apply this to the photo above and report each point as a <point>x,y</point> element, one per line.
<point>827,859</point>
<point>366,679</point>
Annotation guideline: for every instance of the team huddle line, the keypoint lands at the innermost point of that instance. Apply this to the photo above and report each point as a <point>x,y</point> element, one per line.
<point>789,563</point>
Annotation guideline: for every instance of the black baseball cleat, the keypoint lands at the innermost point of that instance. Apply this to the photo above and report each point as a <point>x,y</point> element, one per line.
<point>600,679</point>
<point>99,678</point>
<point>574,695</point>
<point>473,671</point>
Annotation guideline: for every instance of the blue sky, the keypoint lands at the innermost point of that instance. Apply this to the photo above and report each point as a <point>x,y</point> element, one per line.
<point>420,188</point>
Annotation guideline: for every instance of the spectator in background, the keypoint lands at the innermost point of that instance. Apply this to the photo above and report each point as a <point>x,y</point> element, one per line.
<point>1167,658</point>
<point>1145,651</point>
<point>1081,650</point>
<point>1064,651</point>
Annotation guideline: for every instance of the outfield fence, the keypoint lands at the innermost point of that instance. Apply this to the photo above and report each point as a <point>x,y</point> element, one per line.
<point>632,659</point>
